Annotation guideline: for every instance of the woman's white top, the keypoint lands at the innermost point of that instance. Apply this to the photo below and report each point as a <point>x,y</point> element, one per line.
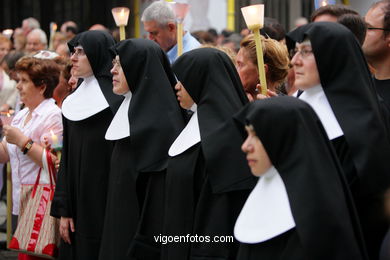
<point>46,117</point>
<point>120,125</point>
<point>317,99</point>
<point>267,212</point>
<point>86,101</point>
<point>187,138</point>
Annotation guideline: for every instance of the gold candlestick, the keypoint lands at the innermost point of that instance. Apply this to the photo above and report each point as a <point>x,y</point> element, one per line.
<point>179,39</point>
<point>180,10</point>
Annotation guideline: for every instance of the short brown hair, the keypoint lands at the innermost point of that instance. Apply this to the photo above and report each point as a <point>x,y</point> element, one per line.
<point>333,10</point>
<point>41,72</point>
<point>275,56</point>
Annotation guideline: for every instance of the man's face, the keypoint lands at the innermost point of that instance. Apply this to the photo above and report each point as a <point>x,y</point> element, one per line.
<point>34,43</point>
<point>376,46</point>
<point>164,35</point>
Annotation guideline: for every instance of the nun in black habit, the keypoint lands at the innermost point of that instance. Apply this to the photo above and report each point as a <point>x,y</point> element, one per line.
<point>204,195</point>
<point>81,191</point>
<point>301,207</point>
<point>144,127</point>
<point>344,99</point>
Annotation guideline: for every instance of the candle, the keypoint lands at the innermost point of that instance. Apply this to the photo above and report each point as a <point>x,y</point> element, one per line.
<point>121,16</point>
<point>254,18</point>
<point>6,118</point>
<point>180,10</point>
<point>53,29</point>
<point>54,138</point>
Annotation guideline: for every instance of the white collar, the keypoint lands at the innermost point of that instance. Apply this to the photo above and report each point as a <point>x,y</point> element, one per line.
<point>120,125</point>
<point>317,99</point>
<point>187,138</point>
<point>87,100</point>
<point>267,212</point>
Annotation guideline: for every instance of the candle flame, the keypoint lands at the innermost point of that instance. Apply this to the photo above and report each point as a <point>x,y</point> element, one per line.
<point>122,13</point>
<point>324,3</point>
<point>54,27</point>
<point>8,114</point>
<point>252,11</point>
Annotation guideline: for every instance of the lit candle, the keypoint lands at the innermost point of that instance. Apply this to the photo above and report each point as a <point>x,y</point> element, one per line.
<point>121,16</point>
<point>54,138</point>
<point>254,18</point>
<point>53,29</point>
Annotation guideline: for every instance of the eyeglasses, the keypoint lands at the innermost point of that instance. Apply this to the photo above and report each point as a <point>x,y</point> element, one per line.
<point>303,52</point>
<point>77,52</point>
<point>377,28</point>
<point>115,62</point>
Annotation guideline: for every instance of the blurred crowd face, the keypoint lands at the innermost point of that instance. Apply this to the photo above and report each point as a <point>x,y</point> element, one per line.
<point>165,35</point>
<point>183,97</point>
<point>305,67</point>
<point>4,49</point>
<point>375,44</point>
<point>119,81</point>
<point>247,71</point>
<point>81,68</point>
<point>73,82</point>
<point>34,43</point>
<point>256,155</point>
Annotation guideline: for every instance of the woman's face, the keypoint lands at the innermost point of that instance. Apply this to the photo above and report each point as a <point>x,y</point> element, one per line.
<point>183,97</point>
<point>30,95</point>
<point>305,67</point>
<point>247,70</point>
<point>81,67</point>
<point>256,155</point>
<point>119,81</point>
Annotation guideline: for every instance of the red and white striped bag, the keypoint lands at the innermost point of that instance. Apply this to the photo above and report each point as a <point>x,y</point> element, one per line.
<point>37,233</point>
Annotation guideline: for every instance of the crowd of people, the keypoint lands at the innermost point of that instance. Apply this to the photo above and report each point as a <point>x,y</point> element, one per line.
<point>185,148</point>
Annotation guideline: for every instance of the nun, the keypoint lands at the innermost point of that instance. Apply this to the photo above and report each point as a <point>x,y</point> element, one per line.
<point>301,207</point>
<point>331,70</point>
<point>81,191</point>
<point>143,129</point>
<point>206,185</point>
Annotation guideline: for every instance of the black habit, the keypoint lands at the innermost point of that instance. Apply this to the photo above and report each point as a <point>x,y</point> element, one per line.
<point>326,225</point>
<point>136,184</point>
<point>204,190</point>
<point>82,179</point>
<point>364,149</point>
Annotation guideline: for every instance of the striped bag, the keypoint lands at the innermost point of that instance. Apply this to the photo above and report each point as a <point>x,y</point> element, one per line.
<point>37,233</point>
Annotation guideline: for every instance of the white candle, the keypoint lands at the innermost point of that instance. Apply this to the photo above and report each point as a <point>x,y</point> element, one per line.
<point>54,138</point>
